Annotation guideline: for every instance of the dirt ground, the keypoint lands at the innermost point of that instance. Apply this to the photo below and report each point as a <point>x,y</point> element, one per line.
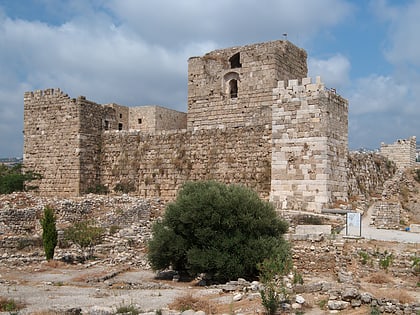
<point>40,286</point>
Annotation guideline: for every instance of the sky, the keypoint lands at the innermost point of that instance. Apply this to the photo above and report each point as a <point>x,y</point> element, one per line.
<point>135,52</point>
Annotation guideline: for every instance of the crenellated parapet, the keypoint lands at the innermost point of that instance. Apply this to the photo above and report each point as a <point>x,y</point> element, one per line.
<point>47,93</point>
<point>293,90</point>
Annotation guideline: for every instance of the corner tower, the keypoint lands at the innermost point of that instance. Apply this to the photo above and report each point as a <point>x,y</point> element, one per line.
<point>309,146</point>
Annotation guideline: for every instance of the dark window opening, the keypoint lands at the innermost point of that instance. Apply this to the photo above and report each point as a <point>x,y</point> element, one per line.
<point>120,126</point>
<point>139,120</point>
<point>235,61</point>
<point>120,115</point>
<point>233,88</point>
<point>106,124</point>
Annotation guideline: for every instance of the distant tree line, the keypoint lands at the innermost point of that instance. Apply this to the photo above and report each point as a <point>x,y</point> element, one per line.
<point>13,179</point>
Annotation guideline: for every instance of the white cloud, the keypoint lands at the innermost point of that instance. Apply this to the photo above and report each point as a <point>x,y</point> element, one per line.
<point>135,52</point>
<point>403,46</point>
<point>377,94</point>
<point>334,71</point>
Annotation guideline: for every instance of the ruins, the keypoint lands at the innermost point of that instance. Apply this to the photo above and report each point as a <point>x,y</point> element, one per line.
<point>402,152</point>
<point>254,118</point>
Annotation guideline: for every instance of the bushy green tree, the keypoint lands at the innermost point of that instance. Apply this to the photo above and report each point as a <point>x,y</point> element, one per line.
<point>14,179</point>
<point>221,230</point>
<point>86,235</point>
<point>49,232</point>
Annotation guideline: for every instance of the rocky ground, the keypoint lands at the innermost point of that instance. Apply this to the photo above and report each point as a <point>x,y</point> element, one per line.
<point>346,275</point>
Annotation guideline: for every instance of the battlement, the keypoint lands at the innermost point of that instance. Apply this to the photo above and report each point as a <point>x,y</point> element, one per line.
<point>47,93</point>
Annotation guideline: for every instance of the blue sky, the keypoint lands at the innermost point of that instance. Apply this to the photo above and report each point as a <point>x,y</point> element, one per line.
<point>135,52</point>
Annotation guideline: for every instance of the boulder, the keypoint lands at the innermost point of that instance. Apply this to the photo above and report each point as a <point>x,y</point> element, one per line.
<point>337,305</point>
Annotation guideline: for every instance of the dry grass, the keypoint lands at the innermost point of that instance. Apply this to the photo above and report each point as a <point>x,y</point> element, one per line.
<point>189,302</point>
<point>45,313</point>
<point>395,294</point>
<point>10,305</point>
<point>54,264</point>
<point>379,278</point>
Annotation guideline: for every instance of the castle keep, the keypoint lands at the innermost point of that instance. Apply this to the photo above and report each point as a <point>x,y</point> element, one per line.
<point>254,118</point>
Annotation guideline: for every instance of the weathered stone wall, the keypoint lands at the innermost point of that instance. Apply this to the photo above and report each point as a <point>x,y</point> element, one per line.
<point>402,152</point>
<point>51,140</point>
<point>254,70</point>
<point>386,215</point>
<point>156,118</point>
<point>309,156</point>
<point>367,173</point>
<point>156,165</point>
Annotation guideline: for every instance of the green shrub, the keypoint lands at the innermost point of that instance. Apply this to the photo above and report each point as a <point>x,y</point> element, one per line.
<point>49,232</point>
<point>85,235</point>
<point>98,189</point>
<point>127,310</point>
<point>386,262</point>
<point>223,231</point>
<point>13,179</point>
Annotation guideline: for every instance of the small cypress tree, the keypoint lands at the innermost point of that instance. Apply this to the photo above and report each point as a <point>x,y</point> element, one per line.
<point>49,232</point>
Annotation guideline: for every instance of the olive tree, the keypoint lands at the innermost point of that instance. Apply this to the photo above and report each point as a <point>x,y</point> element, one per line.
<point>222,230</point>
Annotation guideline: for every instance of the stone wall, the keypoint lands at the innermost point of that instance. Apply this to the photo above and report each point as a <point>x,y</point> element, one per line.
<point>309,155</point>
<point>367,174</point>
<point>51,140</point>
<point>402,152</point>
<point>156,165</point>
<point>233,87</point>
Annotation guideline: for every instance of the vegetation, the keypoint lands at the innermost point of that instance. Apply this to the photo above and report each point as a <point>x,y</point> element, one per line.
<point>222,231</point>
<point>85,235</point>
<point>49,232</point>
<point>127,310</point>
<point>98,189</point>
<point>272,272</point>
<point>124,187</point>
<point>9,305</point>
<point>14,179</point>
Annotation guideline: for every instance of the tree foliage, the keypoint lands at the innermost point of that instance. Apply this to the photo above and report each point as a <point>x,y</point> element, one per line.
<point>221,230</point>
<point>84,234</point>
<point>49,232</point>
<point>14,179</point>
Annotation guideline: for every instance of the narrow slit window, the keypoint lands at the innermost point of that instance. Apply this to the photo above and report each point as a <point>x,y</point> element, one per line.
<point>106,125</point>
<point>139,121</point>
<point>120,126</point>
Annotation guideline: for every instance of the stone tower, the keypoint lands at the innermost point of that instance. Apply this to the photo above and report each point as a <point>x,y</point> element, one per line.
<point>310,146</point>
<point>233,87</point>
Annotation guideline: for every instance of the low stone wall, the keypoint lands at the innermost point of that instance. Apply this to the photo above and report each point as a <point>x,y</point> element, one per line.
<point>386,215</point>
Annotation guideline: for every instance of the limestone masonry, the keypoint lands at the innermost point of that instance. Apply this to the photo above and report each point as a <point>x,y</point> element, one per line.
<point>254,118</point>
<point>402,152</point>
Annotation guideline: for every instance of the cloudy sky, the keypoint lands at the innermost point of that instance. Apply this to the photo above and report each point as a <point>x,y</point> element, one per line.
<point>135,52</point>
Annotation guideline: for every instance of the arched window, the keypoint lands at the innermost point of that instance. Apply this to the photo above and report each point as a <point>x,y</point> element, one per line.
<point>231,84</point>
<point>233,88</point>
<point>235,61</point>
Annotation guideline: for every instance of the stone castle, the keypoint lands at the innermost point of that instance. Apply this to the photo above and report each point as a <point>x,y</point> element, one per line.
<point>254,118</point>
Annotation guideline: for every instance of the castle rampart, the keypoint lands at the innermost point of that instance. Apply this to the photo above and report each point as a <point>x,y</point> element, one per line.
<point>244,126</point>
<point>402,152</point>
